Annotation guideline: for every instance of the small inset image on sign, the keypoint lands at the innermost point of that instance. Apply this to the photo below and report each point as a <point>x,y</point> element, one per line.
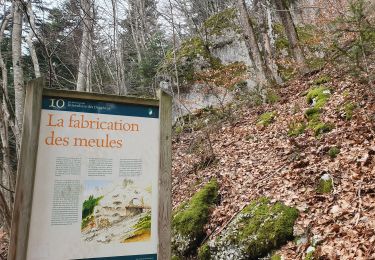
<point>116,212</point>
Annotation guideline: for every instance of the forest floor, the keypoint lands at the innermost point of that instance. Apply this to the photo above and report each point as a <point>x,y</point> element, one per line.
<point>250,161</point>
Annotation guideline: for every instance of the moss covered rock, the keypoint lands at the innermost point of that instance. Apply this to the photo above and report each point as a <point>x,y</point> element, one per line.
<point>217,24</point>
<point>189,220</point>
<point>259,228</point>
<point>193,55</point>
<point>318,96</point>
<point>204,252</point>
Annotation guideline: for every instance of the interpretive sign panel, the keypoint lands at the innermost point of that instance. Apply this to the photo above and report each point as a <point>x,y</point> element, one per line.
<point>96,181</point>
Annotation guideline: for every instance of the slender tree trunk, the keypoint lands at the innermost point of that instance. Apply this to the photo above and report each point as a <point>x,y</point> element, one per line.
<point>177,82</point>
<point>121,64</point>
<point>142,22</point>
<point>4,70</point>
<point>19,92</point>
<point>7,177</point>
<point>134,29</point>
<point>89,65</point>
<point>251,42</point>
<point>114,45</point>
<point>5,210</point>
<point>174,51</point>
<point>29,40</point>
<point>118,53</point>
<point>267,36</point>
<point>291,33</point>
<point>85,45</point>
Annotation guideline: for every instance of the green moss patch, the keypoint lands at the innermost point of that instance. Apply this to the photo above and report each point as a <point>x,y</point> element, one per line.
<point>190,218</point>
<point>266,119</point>
<point>318,96</point>
<point>310,256</point>
<point>296,129</point>
<point>218,23</point>
<point>286,71</point>
<point>272,97</point>
<point>258,229</point>
<point>204,252</point>
<point>333,152</point>
<point>192,53</point>
<point>347,110</point>
<point>315,63</point>
<point>275,257</point>
<point>320,128</point>
<point>325,184</point>
<point>312,114</point>
<point>322,80</point>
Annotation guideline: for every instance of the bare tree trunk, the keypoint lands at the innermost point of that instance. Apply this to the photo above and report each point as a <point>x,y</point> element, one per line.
<point>6,211</point>
<point>89,65</point>
<point>291,33</point>
<point>118,53</point>
<point>29,40</point>
<point>85,45</point>
<point>174,51</point>
<point>267,36</point>
<point>134,29</point>
<point>177,83</point>
<point>252,43</point>
<point>19,92</point>
<point>142,21</point>
<point>121,64</point>
<point>7,178</point>
<point>4,71</point>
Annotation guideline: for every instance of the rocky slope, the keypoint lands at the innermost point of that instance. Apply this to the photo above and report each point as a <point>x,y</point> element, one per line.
<point>285,161</point>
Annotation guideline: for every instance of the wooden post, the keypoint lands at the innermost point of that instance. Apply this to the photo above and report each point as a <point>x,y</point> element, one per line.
<point>26,170</point>
<point>165,177</point>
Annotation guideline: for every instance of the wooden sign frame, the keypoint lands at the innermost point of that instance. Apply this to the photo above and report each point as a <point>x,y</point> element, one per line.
<point>27,163</point>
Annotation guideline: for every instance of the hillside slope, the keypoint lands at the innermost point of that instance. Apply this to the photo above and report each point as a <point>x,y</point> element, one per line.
<point>250,160</point>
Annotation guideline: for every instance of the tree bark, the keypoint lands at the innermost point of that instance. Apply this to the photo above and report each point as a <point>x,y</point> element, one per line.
<point>29,40</point>
<point>134,29</point>
<point>7,177</point>
<point>87,22</point>
<point>251,43</point>
<point>19,92</point>
<point>6,211</point>
<point>291,33</point>
<point>268,41</point>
